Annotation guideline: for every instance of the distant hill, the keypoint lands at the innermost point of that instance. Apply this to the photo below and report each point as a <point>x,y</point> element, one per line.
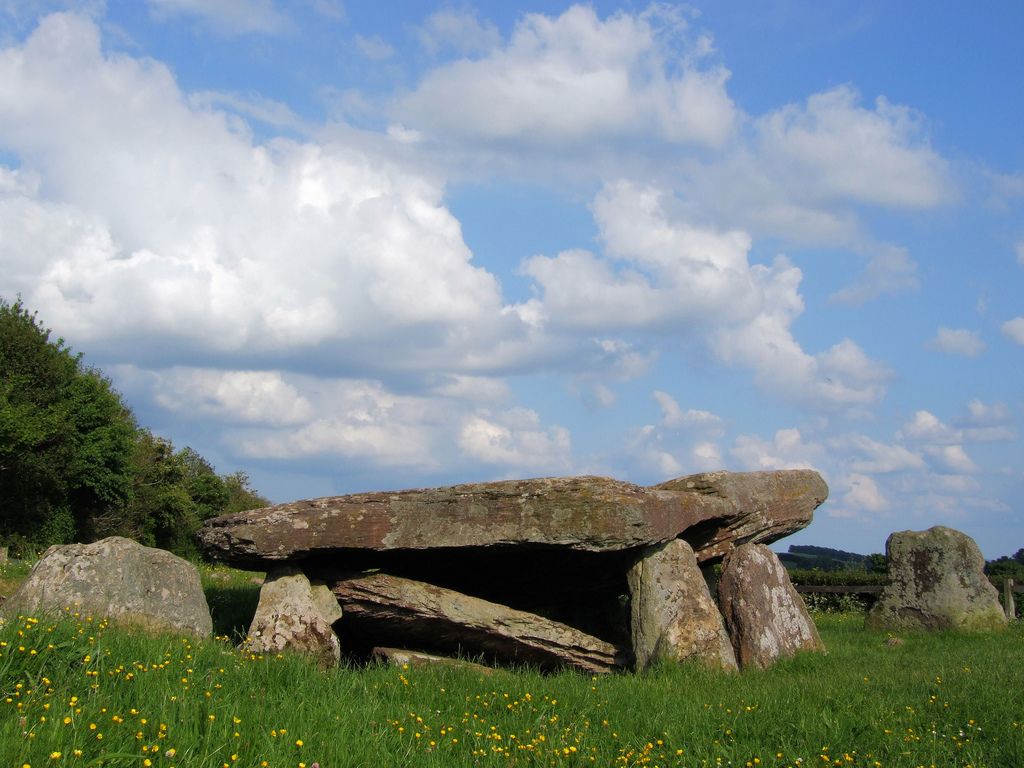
<point>823,558</point>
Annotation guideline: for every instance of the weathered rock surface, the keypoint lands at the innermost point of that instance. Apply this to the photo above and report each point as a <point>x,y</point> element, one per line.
<point>119,579</point>
<point>296,615</point>
<point>764,613</point>
<point>762,507</point>
<point>527,571</point>
<point>388,610</point>
<point>936,581</point>
<point>592,514</point>
<point>400,657</point>
<point>673,617</point>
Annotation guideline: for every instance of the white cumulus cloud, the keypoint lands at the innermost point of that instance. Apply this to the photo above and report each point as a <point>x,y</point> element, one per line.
<point>926,427</point>
<point>786,450</point>
<point>862,494</point>
<point>1014,330</point>
<point>253,397</point>
<point>951,458</point>
<point>837,149</point>
<point>707,457</point>
<point>957,341</point>
<point>672,415</point>
<point>984,423</point>
<point>869,456</point>
<point>516,439</point>
<point>661,272</point>
<point>165,220</point>
<point>571,78</point>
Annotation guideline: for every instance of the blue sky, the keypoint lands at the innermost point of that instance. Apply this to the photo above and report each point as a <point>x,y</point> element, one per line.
<point>351,246</point>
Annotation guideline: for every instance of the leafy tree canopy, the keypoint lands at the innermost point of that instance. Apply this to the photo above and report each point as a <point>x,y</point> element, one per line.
<point>74,466</point>
<point>65,436</point>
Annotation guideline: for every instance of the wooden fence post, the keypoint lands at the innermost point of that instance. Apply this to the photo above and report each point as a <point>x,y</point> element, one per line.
<point>1008,606</point>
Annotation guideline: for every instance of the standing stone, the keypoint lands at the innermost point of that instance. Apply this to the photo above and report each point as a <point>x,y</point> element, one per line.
<point>295,615</point>
<point>936,581</point>
<point>764,613</point>
<point>119,579</point>
<point>672,615</point>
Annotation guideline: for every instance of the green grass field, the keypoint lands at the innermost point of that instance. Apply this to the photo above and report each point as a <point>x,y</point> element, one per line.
<point>78,692</point>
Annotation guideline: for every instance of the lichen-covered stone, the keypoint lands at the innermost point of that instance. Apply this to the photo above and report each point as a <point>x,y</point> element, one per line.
<point>936,581</point>
<point>591,514</point>
<point>530,571</point>
<point>119,579</point>
<point>296,615</point>
<point>764,614</point>
<point>762,507</point>
<point>673,617</point>
<point>385,610</point>
<point>404,658</point>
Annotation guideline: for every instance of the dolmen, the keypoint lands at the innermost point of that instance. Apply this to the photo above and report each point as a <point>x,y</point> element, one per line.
<point>589,573</point>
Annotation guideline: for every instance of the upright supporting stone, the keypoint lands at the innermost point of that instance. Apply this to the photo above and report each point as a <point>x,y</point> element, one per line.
<point>673,617</point>
<point>295,615</point>
<point>1009,606</point>
<point>765,615</point>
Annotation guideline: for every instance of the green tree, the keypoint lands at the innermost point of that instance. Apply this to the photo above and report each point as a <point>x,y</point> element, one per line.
<point>1007,565</point>
<point>241,495</point>
<point>173,492</point>
<point>876,562</point>
<point>65,437</point>
<point>75,467</point>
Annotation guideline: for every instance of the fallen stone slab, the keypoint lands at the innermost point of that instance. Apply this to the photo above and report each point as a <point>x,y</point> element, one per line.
<point>766,618</point>
<point>388,610</point>
<point>118,579</point>
<point>673,616</point>
<point>715,511</point>
<point>295,615</point>
<point>400,657</point>
<point>936,581</point>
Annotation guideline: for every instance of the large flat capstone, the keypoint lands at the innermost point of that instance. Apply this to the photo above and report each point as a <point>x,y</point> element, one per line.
<point>713,511</point>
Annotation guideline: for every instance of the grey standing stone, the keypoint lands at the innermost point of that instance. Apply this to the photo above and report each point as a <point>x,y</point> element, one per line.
<point>119,579</point>
<point>296,615</point>
<point>765,615</point>
<point>936,581</point>
<point>673,617</point>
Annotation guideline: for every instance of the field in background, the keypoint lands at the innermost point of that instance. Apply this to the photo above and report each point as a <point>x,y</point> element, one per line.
<point>77,692</point>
